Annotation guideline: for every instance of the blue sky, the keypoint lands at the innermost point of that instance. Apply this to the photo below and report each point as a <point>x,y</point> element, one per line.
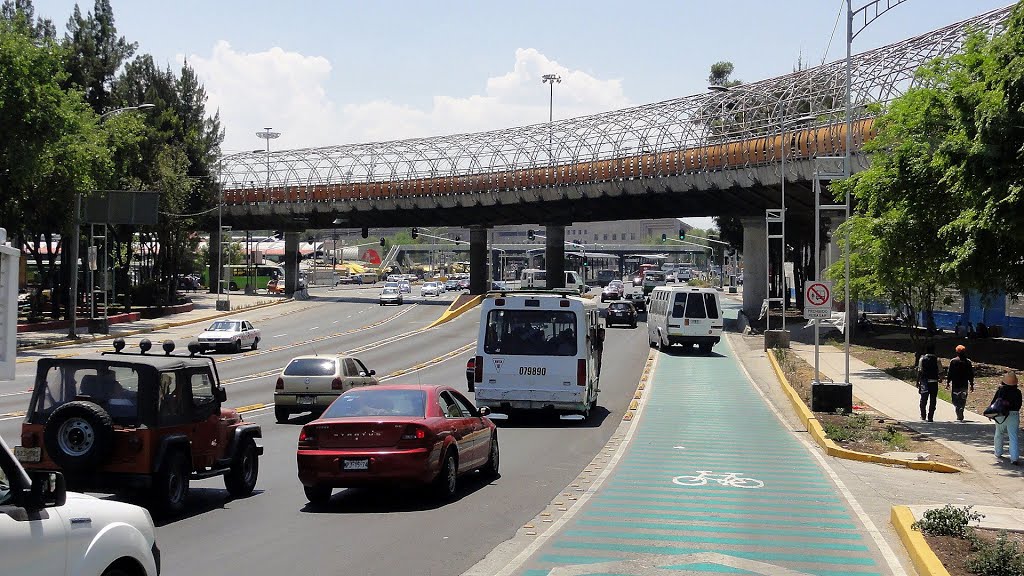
<point>335,72</point>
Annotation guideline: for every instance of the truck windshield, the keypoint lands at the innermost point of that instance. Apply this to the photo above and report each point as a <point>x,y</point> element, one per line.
<point>531,333</point>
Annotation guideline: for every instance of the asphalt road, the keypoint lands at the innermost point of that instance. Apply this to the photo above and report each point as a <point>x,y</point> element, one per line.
<point>370,532</point>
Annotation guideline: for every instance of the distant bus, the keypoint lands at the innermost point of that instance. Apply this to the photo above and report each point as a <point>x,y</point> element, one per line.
<point>239,275</point>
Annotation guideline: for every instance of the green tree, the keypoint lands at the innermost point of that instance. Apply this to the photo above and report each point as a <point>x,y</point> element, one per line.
<point>95,54</point>
<point>721,74</point>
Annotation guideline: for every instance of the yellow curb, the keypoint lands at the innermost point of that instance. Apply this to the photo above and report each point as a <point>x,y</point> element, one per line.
<point>925,561</point>
<point>451,314</point>
<point>250,407</point>
<point>146,330</point>
<point>816,431</point>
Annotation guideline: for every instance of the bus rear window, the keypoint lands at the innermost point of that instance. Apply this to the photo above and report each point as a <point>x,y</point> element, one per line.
<point>531,333</point>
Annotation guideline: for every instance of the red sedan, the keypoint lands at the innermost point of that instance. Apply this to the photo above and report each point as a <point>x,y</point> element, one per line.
<point>396,434</point>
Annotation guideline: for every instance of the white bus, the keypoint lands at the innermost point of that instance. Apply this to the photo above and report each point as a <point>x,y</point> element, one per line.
<point>684,315</point>
<point>537,279</point>
<point>538,350</point>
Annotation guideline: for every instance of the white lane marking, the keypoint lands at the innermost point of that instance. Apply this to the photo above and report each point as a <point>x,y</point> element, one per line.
<point>280,335</point>
<point>12,418</point>
<point>336,321</point>
<point>890,557</point>
<point>314,328</point>
<point>556,526</point>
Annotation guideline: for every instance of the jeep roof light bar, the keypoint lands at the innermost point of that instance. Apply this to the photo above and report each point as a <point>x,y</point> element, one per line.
<point>168,347</point>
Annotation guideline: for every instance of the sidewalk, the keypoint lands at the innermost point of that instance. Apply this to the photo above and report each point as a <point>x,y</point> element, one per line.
<point>204,308</point>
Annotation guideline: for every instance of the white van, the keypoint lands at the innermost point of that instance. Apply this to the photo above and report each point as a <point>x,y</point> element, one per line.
<point>534,278</point>
<point>538,351</point>
<point>684,315</point>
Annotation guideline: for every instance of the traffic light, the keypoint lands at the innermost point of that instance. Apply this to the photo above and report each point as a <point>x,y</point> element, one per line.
<point>366,232</point>
<point>383,241</point>
<point>682,233</point>
<point>664,237</point>
<point>415,233</point>
<point>530,235</point>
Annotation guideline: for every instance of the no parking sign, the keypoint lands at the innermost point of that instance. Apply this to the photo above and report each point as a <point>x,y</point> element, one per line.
<point>817,299</point>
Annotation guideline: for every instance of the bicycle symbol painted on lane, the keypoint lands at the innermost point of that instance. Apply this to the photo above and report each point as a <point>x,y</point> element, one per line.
<point>730,479</point>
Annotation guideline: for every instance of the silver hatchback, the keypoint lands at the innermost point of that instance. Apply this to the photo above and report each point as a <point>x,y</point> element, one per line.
<point>311,383</point>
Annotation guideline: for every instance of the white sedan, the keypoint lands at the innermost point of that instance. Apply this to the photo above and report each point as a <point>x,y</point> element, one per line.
<point>431,289</point>
<point>231,335</point>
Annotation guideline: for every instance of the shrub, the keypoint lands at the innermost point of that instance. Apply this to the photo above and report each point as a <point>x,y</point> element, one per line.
<point>948,521</point>
<point>848,428</point>
<point>1002,558</point>
<point>894,438</point>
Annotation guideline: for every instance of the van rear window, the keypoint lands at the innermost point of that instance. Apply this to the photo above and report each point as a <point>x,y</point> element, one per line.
<point>712,304</point>
<point>531,333</point>
<point>695,306</point>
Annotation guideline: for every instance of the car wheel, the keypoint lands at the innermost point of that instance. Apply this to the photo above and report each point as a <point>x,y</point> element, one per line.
<point>255,343</point>
<point>241,479</point>
<point>238,345</point>
<point>318,495</point>
<point>170,484</point>
<point>281,414</point>
<point>117,571</point>
<point>79,435</point>
<point>447,482</point>
<point>634,324</point>
<point>490,469</point>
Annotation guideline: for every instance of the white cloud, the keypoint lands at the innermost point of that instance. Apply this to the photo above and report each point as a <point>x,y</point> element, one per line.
<point>291,88</point>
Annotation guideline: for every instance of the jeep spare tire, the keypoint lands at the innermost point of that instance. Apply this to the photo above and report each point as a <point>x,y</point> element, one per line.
<point>79,435</point>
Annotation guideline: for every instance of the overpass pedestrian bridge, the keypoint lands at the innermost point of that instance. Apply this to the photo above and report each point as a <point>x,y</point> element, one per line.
<point>716,153</point>
<point>701,155</point>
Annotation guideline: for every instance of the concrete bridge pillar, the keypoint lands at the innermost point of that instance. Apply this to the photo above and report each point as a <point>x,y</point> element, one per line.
<point>291,262</point>
<point>554,255</point>
<point>755,255</point>
<point>478,277</point>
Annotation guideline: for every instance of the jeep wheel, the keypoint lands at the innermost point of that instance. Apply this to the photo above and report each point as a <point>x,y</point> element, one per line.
<point>318,495</point>
<point>170,484</point>
<point>241,479</point>
<point>281,413</point>
<point>79,435</point>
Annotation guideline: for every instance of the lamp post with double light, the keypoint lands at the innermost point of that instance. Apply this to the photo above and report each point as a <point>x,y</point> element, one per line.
<point>551,79</point>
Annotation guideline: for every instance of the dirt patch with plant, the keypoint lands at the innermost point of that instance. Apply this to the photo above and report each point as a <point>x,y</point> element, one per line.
<point>891,349</point>
<point>865,430</point>
<point>965,550</point>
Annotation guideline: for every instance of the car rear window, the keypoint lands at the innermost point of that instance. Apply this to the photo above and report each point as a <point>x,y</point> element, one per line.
<point>374,402</point>
<point>310,367</point>
<point>619,306</point>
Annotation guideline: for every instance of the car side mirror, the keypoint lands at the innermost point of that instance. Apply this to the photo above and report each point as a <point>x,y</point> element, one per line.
<point>485,411</point>
<point>222,394</point>
<point>373,372</point>
<point>48,489</point>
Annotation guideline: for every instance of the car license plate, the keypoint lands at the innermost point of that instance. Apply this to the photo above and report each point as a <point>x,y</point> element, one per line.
<point>361,464</point>
<point>306,400</point>
<point>24,454</point>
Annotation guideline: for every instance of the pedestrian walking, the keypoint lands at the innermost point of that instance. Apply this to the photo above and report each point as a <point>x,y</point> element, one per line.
<point>928,369</point>
<point>960,378</point>
<point>1009,411</point>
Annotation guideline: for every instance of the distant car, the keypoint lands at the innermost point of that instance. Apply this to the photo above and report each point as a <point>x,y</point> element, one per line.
<point>390,296</point>
<point>610,293</point>
<point>452,284</point>
<point>498,286</point>
<point>431,289</point>
<point>638,300</point>
<point>606,276</point>
<point>670,276</point>
<point>618,285</point>
<point>311,383</point>
<point>620,313</point>
<point>396,435</point>
<point>232,335</point>
<point>405,287</point>
<point>464,284</point>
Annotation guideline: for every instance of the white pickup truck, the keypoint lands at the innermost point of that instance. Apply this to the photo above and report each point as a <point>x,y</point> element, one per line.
<point>47,531</point>
<point>233,334</point>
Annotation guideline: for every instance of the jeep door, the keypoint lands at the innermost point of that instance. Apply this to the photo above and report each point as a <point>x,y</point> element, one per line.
<point>204,410</point>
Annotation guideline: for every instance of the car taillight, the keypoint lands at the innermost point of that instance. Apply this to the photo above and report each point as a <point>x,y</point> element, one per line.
<point>581,372</point>
<point>307,438</point>
<point>336,384</point>
<point>415,435</point>
<point>478,369</point>
<point>280,384</point>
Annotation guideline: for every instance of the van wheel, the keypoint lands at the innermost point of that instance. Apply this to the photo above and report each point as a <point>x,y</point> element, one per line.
<point>705,349</point>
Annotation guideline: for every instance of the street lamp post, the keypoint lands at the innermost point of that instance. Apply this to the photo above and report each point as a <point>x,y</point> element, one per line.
<point>267,135</point>
<point>551,79</point>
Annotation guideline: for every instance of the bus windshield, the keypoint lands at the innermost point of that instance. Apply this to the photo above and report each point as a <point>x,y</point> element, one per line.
<point>531,333</point>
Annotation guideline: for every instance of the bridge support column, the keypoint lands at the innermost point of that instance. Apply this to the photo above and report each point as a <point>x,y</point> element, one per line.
<point>214,255</point>
<point>478,277</point>
<point>755,255</point>
<point>291,263</point>
<point>554,255</point>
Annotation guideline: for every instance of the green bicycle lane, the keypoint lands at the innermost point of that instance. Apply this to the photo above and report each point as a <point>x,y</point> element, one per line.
<point>711,482</point>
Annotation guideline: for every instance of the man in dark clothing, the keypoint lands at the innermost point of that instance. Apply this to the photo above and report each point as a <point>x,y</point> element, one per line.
<point>960,376</point>
<point>928,382</point>
<point>1010,423</point>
